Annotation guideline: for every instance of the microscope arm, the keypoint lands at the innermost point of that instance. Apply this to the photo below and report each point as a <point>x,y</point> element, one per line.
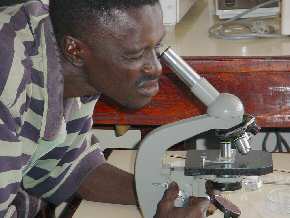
<point>150,177</point>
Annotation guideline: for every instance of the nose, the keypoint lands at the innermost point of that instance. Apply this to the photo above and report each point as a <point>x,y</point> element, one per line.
<point>152,65</point>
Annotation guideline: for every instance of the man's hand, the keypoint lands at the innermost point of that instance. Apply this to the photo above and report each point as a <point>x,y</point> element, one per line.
<point>196,208</point>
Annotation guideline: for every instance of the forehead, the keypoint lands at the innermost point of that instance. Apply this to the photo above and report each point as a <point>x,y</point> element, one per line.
<point>135,27</point>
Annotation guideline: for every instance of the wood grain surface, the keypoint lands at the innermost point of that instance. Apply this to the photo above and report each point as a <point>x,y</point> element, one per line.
<point>262,83</point>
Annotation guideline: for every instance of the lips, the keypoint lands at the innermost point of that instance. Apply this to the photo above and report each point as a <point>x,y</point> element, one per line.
<point>149,88</point>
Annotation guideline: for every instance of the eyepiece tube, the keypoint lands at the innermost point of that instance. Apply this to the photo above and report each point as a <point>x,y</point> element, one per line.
<point>180,67</point>
<point>200,87</point>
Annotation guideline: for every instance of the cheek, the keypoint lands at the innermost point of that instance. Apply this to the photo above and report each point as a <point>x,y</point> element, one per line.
<point>120,82</point>
<point>129,74</point>
<point>114,76</point>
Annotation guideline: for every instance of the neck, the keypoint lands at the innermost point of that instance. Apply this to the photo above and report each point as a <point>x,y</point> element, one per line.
<point>76,81</point>
<point>76,88</point>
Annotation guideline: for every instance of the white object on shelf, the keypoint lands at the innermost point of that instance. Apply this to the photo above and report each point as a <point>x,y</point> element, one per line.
<point>174,10</point>
<point>285,12</point>
<point>223,13</point>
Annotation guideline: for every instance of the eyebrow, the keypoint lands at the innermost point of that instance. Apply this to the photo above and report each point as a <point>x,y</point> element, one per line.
<point>136,50</point>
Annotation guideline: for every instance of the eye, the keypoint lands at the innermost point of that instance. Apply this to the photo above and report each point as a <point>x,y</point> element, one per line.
<point>158,49</point>
<point>136,56</point>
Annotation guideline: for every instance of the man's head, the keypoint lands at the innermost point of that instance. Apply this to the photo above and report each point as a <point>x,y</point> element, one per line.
<point>115,43</point>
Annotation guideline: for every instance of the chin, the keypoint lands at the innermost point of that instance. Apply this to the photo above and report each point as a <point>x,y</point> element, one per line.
<point>135,105</point>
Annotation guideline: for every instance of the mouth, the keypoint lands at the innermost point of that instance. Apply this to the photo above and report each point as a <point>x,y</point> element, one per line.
<point>149,88</point>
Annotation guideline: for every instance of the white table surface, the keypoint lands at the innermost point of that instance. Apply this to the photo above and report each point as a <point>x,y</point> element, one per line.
<point>251,203</point>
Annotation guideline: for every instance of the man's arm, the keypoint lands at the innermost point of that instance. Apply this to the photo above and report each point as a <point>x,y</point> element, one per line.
<point>109,184</point>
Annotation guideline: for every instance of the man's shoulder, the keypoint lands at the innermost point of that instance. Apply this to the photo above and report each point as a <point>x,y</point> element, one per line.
<point>12,51</point>
<point>22,18</point>
<point>14,27</point>
<point>19,41</point>
<point>10,14</point>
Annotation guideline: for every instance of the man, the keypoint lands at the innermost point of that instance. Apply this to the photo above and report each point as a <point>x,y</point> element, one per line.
<point>56,58</point>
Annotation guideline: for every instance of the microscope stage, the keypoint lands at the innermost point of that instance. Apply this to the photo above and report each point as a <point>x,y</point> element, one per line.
<point>254,163</point>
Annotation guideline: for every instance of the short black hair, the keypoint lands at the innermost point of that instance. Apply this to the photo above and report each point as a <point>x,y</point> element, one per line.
<point>11,2</point>
<point>71,17</point>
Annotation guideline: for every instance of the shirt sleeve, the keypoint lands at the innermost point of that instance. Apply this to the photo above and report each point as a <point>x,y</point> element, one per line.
<point>11,160</point>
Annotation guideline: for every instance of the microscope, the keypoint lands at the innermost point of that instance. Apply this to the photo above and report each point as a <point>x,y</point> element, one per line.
<point>224,168</point>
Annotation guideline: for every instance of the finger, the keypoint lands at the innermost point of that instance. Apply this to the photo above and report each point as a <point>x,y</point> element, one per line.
<point>192,201</point>
<point>210,210</point>
<point>202,203</point>
<point>171,193</point>
<point>167,202</point>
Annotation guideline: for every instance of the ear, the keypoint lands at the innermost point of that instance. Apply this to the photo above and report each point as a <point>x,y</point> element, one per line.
<point>73,50</point>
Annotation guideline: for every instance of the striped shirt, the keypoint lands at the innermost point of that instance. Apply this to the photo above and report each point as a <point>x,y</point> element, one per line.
<point>45,149</point>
